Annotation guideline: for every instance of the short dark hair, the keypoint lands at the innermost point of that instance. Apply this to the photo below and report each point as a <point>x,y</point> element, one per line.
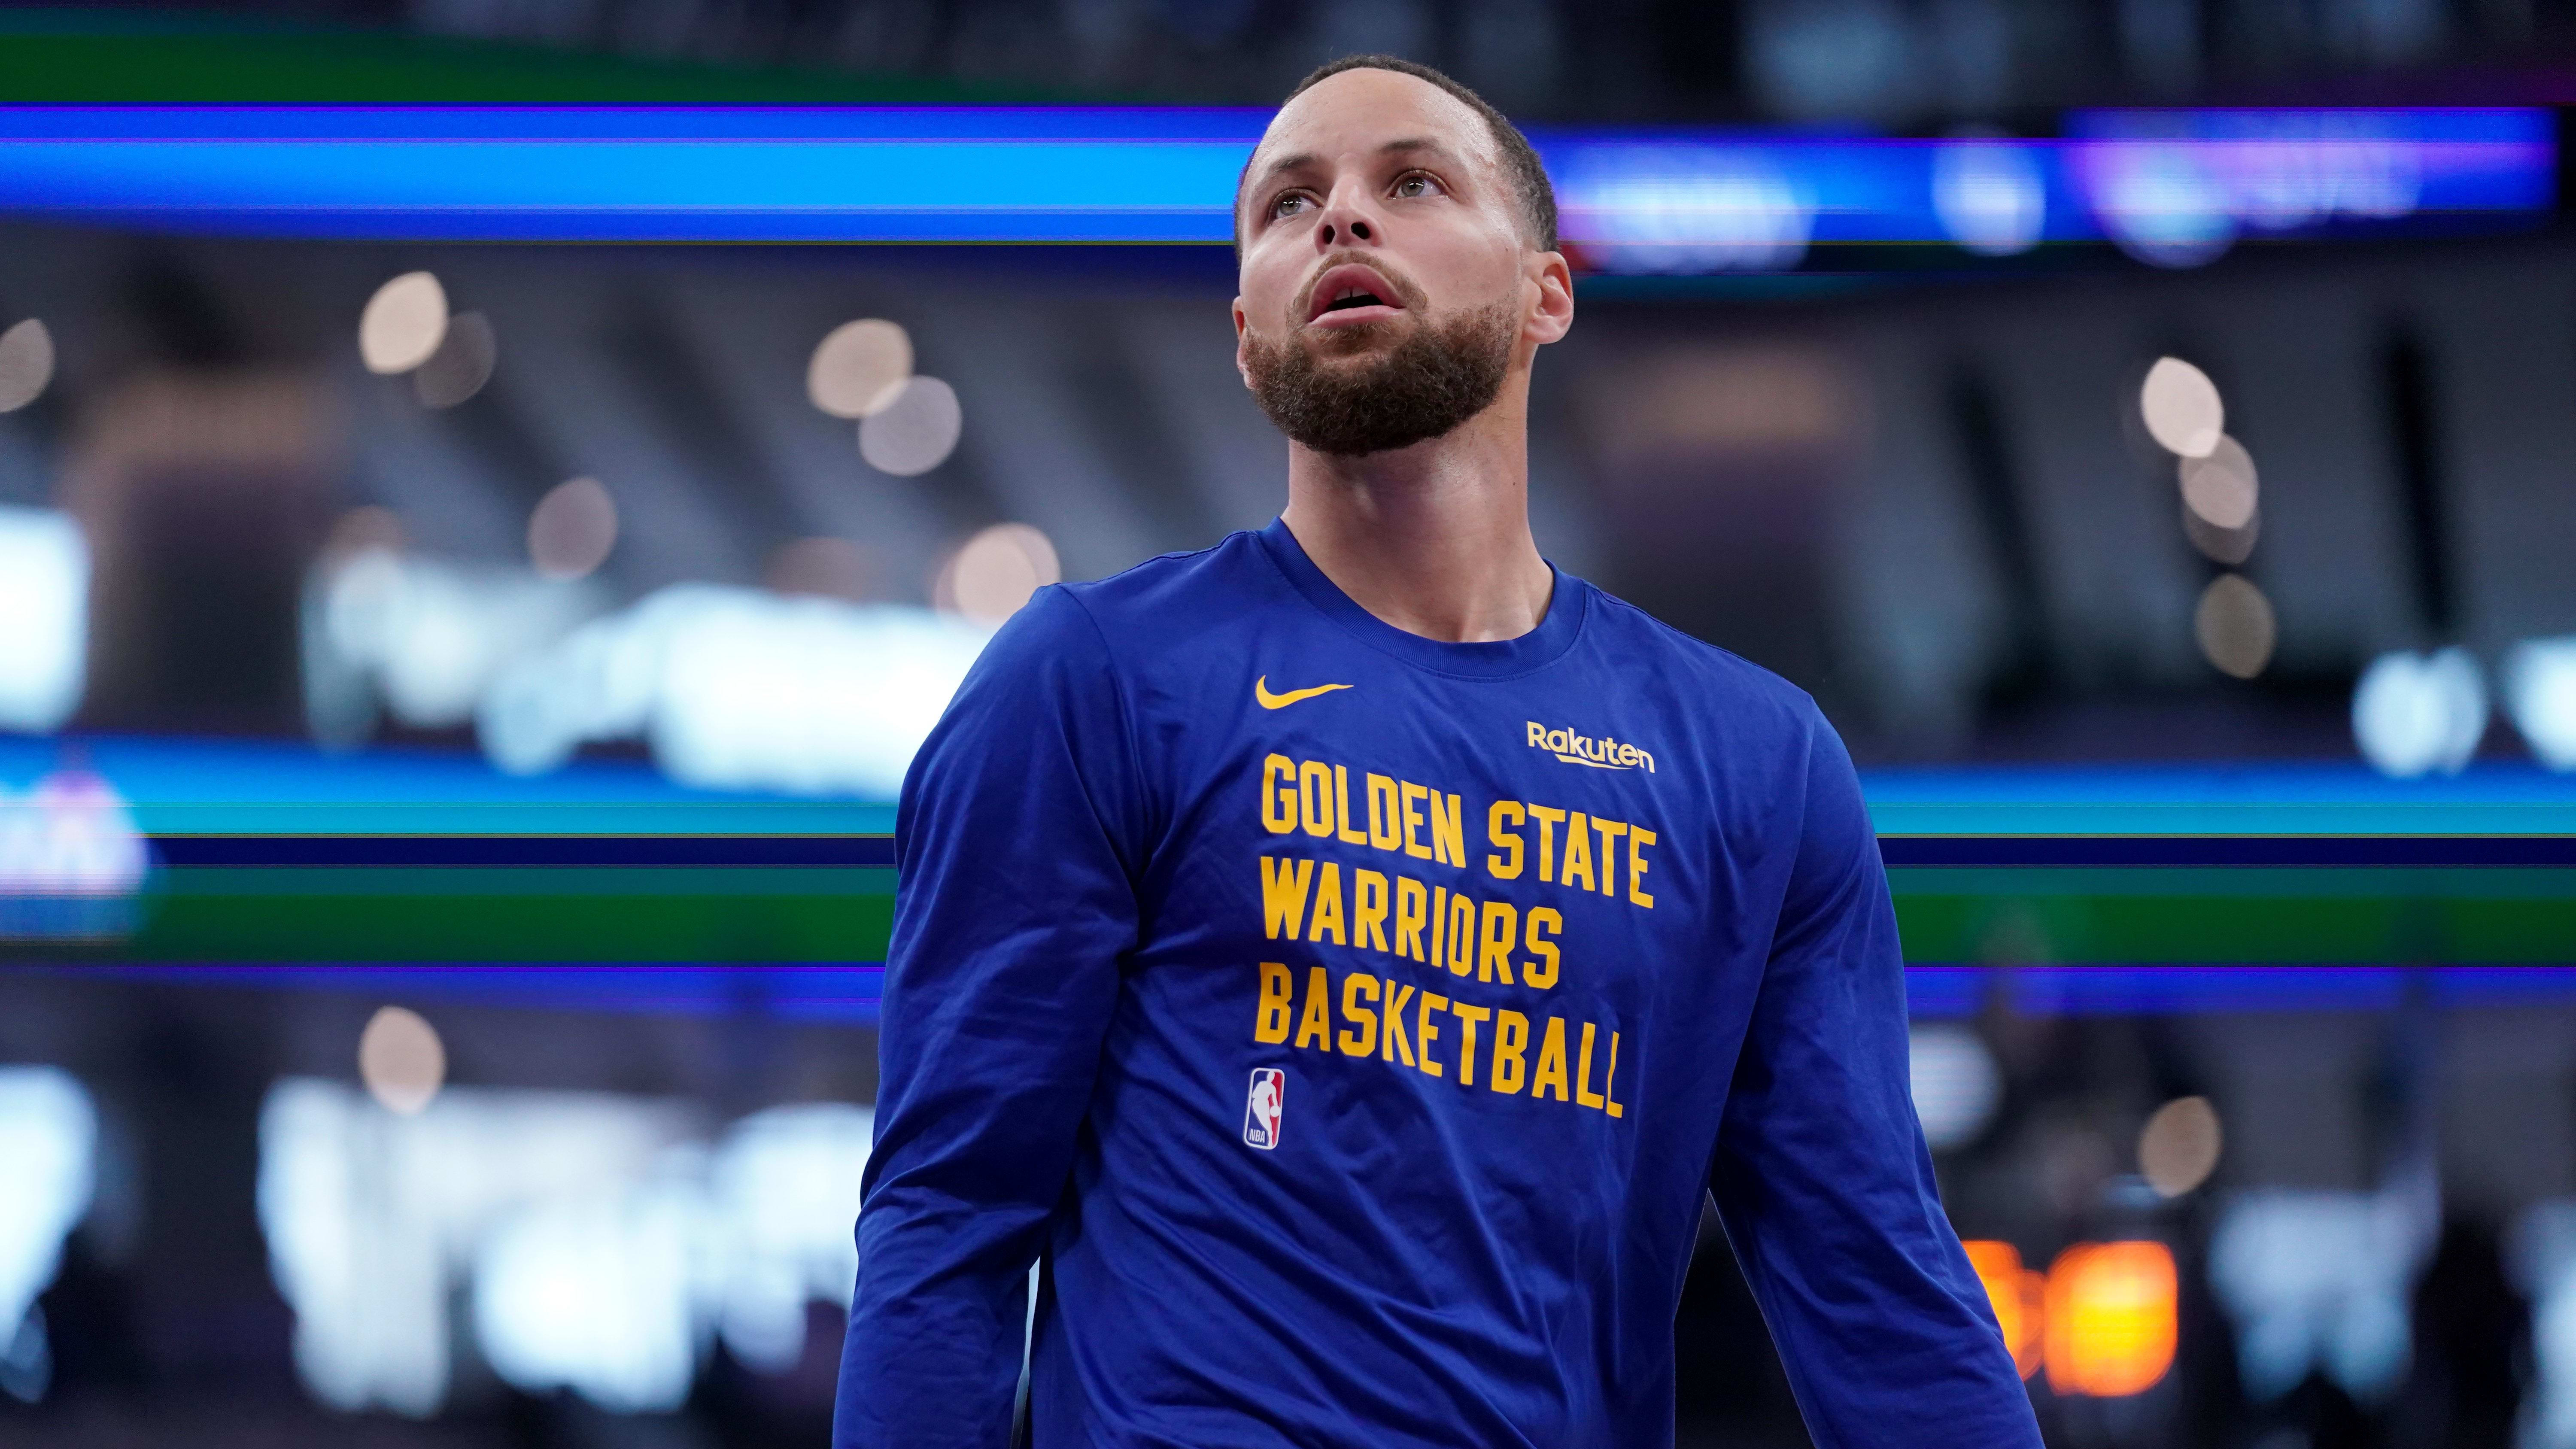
<point>1530,186</point>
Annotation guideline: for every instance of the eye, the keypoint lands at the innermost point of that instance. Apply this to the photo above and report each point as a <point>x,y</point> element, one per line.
<point>1286,203</point>
<point>1416,184</point>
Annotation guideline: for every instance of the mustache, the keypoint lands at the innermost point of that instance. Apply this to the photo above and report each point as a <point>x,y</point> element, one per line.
<point>1301,306</point>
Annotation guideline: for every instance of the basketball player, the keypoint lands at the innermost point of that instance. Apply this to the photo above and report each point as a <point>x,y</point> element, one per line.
<point>1348,957</point>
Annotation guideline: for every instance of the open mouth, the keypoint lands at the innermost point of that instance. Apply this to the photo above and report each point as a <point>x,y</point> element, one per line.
<point>1352,294</point>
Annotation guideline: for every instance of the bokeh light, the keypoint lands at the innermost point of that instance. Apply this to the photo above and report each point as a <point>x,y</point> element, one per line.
<point>2415,714</point>
<point>2179,1147</point>
<point>2018,1295</point>
<point>826,568</point>
<point>914,431</point>
<point>404,323</point>
<point>462,363</point>
<point>2235,626</point>
<point>858,368</point>
<point>2230,546</point>
<point>401,1059</point>
<point>26,364</point>
<point>573,529</point>
<point>2540,691</point>
<point>1991,196</point>
<point>1955,1083</point>
<point>2182,408</point>
<point>2110,1318</point>
<point>996,572</point>
<point>2222,487</point>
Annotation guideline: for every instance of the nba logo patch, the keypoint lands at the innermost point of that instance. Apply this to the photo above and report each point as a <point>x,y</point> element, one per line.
<point>1262,1106</point>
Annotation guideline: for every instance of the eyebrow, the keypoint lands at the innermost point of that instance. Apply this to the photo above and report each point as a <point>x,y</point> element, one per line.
<point>1402,146</point>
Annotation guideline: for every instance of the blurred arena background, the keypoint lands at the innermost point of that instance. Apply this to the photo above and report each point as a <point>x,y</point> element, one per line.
<point>493,491</point>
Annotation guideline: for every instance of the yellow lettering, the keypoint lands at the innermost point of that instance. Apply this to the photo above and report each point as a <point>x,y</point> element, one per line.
<point>1391,1039</point>
<point>1462,935</point>
<point>1468,1017</point>
<point>1583,1092</point>
<point>1551,1060</point>
<point>1368,909</point>
<point>1382,813</point>
<point>1610,1082</point>
<point>1283,896</point>
<point>1609,831</point>
<point>1278,802</point>
<point>1638,839</point>
<point>1494,943</point>
<point>1542,972</point>
<point>1448,838</point>
<point>1271,1025</point>
<point>1578,853</point>
<point>1342,808</point>
<point>1412,910</point>
<point>1511,1036</point>
<point>1547,817</point>
<point>1501,839</point>
<point>1315,797</point>
<point>1315,1020</point>
<point>1414,795</point>
<point>1439,923</point>
<point>1424,1033</point>
<point>1328,906</point>
<point>1359,1039</point>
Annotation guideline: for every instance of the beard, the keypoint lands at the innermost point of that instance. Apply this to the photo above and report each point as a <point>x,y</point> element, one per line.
<point>1423,387</point>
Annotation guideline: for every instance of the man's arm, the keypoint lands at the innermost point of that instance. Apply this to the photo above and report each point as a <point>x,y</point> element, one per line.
<point>1015,901</point>
<point>1822,1178</point>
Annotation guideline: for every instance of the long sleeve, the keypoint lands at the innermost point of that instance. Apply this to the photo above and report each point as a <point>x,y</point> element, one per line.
<point>1822,1178</point>
<point>1017,845</point>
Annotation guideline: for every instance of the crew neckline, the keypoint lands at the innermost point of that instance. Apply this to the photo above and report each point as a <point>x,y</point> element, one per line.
<point>1567,603</point>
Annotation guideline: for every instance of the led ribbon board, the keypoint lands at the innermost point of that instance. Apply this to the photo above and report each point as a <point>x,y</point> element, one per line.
<point>2172,186</point>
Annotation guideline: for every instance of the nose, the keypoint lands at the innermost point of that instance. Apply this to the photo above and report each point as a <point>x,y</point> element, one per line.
<point>1345,220</point>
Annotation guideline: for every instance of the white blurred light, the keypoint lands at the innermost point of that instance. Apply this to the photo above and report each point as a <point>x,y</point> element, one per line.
<point>44,601</point>
<point>914,431</point>
<point>71,860</point>
<point>857,369</point>
<point>404,323</point>
<point>787,1181</point>
<point>605,1242</point>
<point>1990,196</point>
<point>424,635</point>
<point>1687,210</point>
<point>996,572</point>
<point>739,689</point>
<point>2221,488</point>
<point>2320,1280</point>
<point>1955,1083</point>
<point>2235,627</point>
<point>462,363</point>
<point>2182,408</point>
<point>26,364</point>
<point>49,1141</point>
<point>2160,203</point>
<point>2178,1148</point>
<point>2416,714</point>
<point>2542,1256</point>
<point>2540,692</point>
<point>401,1060</point>
<point>572,529</point>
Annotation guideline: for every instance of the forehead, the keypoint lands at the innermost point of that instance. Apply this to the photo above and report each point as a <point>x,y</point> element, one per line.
<point>1354,114</point>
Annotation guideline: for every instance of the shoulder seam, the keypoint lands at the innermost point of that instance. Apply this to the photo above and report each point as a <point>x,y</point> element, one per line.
<point>1117,691</point>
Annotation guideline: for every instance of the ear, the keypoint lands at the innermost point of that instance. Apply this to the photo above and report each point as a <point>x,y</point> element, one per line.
<point>1241,366</point>
<point>1553,315</point>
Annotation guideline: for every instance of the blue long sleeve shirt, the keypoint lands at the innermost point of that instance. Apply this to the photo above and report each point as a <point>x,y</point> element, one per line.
<point>1353,1023</point>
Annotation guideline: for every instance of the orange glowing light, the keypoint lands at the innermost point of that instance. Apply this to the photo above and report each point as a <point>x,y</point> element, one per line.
<point>2110,1318</point>
<point>2016,1293</point>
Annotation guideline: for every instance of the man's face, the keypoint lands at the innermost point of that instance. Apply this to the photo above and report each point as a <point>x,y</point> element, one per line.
<point>1386,282</point>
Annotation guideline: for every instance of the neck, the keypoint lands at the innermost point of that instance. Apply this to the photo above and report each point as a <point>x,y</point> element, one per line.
<point>1433,539</point>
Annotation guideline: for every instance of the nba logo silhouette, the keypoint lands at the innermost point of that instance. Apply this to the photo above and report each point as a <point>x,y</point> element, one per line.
<point>1262,1106</point>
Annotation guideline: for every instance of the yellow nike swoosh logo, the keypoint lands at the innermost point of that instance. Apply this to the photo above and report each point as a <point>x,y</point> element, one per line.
<point>1261,693</point>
